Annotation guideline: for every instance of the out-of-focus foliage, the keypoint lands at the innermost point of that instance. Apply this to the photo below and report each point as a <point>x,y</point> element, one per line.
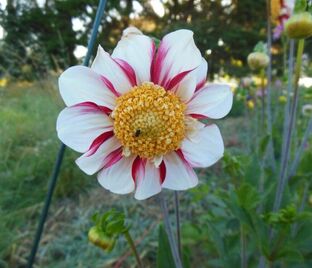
<point>39,38</point>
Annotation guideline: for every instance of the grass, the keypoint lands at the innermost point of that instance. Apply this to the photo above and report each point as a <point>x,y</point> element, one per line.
<point>29,146</point>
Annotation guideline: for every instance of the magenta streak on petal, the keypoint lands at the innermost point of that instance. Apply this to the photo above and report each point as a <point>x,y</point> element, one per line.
<point>113,158</point>
<point>135,167</point>
<point>198,116</point>
<point>186,163</point>
<point>200,85</point>
<point>162,172</point>
<point>176,80</point>
<point>138,168</point>
<point>89,107</point>
<point>128,70</point>
<point>110,86</point>
<point>98,142</point>
<point>157,64</point>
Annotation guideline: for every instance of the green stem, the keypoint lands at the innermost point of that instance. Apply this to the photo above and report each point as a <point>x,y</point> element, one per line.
<point>243,247</point>
<point>262,76</point>
<point>171,238</point>
<point>284,166</point>
<point>177,213</point>
<point>133,248</point>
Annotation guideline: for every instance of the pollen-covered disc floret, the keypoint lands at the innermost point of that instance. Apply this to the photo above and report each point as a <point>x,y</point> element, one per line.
<point>149,121</point>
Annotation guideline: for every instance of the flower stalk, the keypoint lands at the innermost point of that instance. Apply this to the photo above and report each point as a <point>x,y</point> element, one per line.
<point>269,82</point>
<point>262,76</point>
<point>285,157</point>
<point>133,248</point>
<point>177,213</point>
<point>172,242</point>
<point>243,247</point>
<point>289,87</point>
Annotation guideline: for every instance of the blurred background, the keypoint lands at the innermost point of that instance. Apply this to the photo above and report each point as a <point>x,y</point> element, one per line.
<point>41,38</point>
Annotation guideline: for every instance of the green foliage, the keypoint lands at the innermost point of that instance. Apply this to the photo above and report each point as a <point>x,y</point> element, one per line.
<point>111,222</point>
<point>300,6</point>
<point>42,37</point>
<point>107,228</point>
<point>29,146</point>
<point>164,256</point>
<point>261,47</point>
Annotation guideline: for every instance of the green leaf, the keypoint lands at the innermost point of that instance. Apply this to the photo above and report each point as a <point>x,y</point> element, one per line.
<point>260,47</point>
<point>191,234</point>
<point>300,6</point>
<point>290,254</point>
<point>115,227</point>
<point>263,144</point>
<point>164,256</point>
<point>247,196</point>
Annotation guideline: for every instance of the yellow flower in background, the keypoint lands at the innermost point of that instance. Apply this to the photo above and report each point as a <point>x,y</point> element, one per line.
<point>3,82</point>
<point>250,104</point>
<point>275,10</point>
<point>282,99</point>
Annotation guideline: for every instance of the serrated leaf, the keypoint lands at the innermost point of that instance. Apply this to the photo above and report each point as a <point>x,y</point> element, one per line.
<point>247,196</point>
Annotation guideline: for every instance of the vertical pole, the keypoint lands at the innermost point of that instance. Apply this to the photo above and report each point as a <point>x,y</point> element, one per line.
<point>60,156</point>
<point>269,82</point>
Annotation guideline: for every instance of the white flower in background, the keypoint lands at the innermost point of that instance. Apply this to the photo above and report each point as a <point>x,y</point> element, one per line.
<point>307,110</point>
<point>135,114</point>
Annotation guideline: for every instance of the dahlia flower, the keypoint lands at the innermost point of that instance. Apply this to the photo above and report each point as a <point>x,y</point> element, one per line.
<point>135,114</point>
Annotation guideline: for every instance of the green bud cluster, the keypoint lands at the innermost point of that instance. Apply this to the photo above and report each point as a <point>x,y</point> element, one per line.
<point>107,228</point>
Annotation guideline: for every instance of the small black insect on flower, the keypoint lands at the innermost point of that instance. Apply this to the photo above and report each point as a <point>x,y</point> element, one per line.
<point>137,133</point>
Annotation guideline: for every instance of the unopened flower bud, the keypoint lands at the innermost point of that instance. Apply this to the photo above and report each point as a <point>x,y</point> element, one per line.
<point>250,104</point>
<point>282,99</point>
<point>99,239</point>
<point>258,60</point>
<point>299,26</point>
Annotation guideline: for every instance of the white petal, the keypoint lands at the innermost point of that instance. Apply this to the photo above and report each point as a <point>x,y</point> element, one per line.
<point>186,88</point>
<point>177,53</point>
<point>207,148</point>
<point>77,126</point>
<point>147,181</point>
<point>118,178</point>
<point>81,84</point>
<point>131,30</point>
<point>201,74</point>
<point>104,65</point>
<point>93,163</point>
<point>137,50</point>
<point>192,126</point>
<point>179,175</point>
<point>213,101</point>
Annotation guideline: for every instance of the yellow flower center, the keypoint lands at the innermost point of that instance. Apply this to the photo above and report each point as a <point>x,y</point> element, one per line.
<point>149,121</point>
